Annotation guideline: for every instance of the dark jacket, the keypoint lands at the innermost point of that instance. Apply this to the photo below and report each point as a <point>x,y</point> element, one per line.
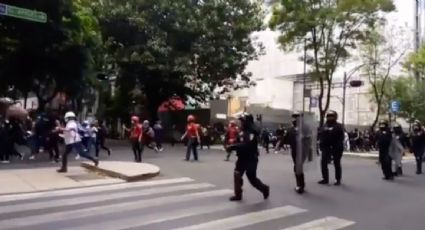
<point>332,137</point>
<point>246,146</point>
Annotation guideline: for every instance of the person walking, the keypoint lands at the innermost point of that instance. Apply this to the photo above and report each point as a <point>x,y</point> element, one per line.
<point>384,138</point>
<point>73,142</point>
<point>159,134</point>
<point>230,137</point>
<point>101,138</point>
<point>53,142</point>
<point>193,138</point>
<point>136,138</point>
<point>418,145</point>
<point>246,148</point>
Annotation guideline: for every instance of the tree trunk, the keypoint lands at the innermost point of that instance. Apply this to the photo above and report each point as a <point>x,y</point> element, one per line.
<point>378,112</point>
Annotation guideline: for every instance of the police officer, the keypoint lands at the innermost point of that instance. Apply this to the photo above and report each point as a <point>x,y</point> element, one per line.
<point>246,149</point>
<point>332,147</point>
<point>292,139</point>
<point>384,138</point>
<point>418,145</point>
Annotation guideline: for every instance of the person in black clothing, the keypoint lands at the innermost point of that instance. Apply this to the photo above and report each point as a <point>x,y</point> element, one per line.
<point>280,133</point>
<point>292,140</point>
<point>384,138</point>
<point>418,145</point>
<point>6,141</point>
<point>100,138</point>
<point>265,139</point>
<point>246,149</point>
<point>332,147</point>
<point>53,141</point>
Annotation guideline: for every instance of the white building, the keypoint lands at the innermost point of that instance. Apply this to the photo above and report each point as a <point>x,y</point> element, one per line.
<point>274,73</point>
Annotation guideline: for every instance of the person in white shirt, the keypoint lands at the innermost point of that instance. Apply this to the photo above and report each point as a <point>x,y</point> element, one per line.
<point>73,141</point>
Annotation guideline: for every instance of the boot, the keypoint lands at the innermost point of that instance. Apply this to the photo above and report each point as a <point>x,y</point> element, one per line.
<point>300,184</point>
<point>237,180</point>
<point>62,170</point>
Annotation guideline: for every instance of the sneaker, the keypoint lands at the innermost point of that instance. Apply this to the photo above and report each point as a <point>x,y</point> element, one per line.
<point>77,157</point>
<point>61,170</point>
<point>161,149</point>
<point>338,183</point>
<point>156,149</point>
<point>32,157</point>
<point>299,190</point>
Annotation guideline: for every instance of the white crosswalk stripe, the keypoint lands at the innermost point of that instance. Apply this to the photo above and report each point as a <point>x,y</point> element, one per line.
<point>246,219</point>
<point>327,223</point>
<point>164,204</point>
<point>76,191</point>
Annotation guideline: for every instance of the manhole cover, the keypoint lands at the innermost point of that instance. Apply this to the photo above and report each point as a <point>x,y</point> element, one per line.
<point>83,177</point>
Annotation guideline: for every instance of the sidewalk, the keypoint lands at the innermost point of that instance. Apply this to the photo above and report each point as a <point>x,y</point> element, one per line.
<point>42,179</point>
<point>373,155</point>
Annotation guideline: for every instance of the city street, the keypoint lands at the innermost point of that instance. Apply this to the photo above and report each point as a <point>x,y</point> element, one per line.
<point>193,195</point>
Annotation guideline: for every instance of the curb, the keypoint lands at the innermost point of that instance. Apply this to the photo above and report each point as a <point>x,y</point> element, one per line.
<point>115,174</point>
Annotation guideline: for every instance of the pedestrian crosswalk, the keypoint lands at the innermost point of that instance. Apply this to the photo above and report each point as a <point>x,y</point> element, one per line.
<point>179,204</point>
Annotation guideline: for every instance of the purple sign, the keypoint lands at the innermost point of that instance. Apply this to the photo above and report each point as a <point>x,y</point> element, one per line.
<point>2,9</point>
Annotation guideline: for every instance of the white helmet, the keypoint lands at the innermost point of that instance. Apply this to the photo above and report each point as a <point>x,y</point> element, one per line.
<point>69,115</point>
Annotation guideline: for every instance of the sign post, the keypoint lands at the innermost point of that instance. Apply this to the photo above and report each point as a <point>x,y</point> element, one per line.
<point>22,13</point>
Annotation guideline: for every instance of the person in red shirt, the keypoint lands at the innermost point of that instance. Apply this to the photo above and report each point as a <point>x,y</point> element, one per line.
<point>193,138</point>
<point>136,138</point>
<point>231,137</point>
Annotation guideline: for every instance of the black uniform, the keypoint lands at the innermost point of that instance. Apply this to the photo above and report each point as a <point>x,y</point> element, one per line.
<point>418,147</point>
<point>332,147</point>
<point>247,151</point>
<point>384,138</point>
<point>292,139</point>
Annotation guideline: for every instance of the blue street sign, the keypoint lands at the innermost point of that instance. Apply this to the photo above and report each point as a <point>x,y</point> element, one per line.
<point>395,106</point>
<point>2,9</point>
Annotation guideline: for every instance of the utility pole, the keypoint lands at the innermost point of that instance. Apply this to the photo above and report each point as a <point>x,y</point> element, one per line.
<point>417,41</point>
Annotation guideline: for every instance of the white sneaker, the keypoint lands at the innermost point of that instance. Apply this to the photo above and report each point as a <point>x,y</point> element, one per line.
<point>77,157</point>
<point>156,149</point>
<point>161,149</point>
<point>32,157</point>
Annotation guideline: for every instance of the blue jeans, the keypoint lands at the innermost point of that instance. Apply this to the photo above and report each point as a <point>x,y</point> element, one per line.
<point>79,148</point>
<point>192,145</point>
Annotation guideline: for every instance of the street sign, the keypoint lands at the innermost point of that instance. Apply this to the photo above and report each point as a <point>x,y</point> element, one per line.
<point>22,13</point>
<point>2,9</point>
<point>395,106</point>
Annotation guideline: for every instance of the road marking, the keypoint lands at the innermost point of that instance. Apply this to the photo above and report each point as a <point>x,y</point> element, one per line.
<point>327,223</point>
<point>155,218</point>
<point>246,219</point>
<point>111,187</point>
<point>93,198</point>
<point>107,209</point>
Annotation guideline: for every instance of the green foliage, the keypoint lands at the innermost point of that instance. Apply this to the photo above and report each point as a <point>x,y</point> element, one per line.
<point>410,93</point>
<point>380,53</point>
<point>329,29</point>
<point>184,48</point>
<point>51,57</point>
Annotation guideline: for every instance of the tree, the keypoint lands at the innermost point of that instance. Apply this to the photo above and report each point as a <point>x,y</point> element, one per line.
<point>180,48</point>
<point>411,95</point>
<point>380,52</point>
<point>48,58</point>
<point>329,30</point>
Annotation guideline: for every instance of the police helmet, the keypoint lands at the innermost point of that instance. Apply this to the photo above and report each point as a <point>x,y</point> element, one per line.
<point>246,118</point>
<point>296,115</point>
<point>383,124</point>
<point>69,115</point>
<point>332,113</point>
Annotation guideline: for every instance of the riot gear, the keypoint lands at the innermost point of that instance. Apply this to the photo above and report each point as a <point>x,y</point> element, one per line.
<point>418,145</point>
<point>384,142</point>
<point>246,149</point>
<point>332,147</point>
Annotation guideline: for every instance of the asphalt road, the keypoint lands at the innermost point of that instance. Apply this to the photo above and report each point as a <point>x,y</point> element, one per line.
<point>193,195</point>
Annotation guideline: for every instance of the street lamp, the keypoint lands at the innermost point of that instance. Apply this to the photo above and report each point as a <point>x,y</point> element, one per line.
<point>353,84</point>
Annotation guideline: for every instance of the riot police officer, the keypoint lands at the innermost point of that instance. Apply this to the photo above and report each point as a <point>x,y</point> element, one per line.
<point>332,147</point>
<point>384,138</point>
<point>418,145</point>
<point>292,139</point>
<point>246,149</point>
